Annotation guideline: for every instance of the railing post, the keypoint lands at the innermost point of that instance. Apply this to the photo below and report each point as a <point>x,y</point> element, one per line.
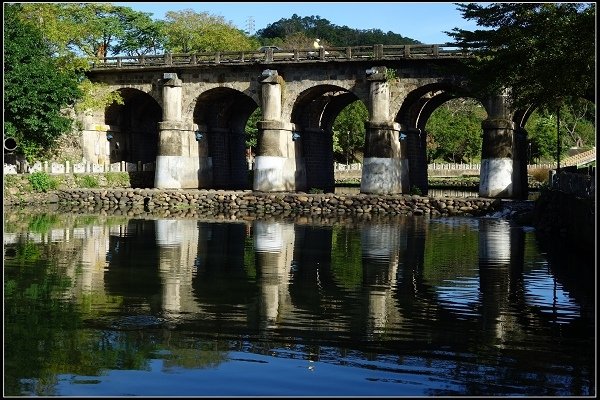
<point>218,57</point>
<point>119,62</point>
<point>349,52</point>
<point>193,59</point>
<point>378,51</point>
<point>142,60</point>
<point>407,50</point>
<point>436,50</point>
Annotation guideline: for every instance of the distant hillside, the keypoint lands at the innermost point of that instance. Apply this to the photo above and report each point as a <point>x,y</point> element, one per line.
<point>333,35</point>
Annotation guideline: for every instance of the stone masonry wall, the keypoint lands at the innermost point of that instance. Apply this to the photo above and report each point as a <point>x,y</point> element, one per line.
<point>191,202</point>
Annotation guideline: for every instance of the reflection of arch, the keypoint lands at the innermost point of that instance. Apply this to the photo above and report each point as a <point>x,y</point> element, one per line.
<point>134,127</point>
<point>221,286</point>
<point>314,113</point>
<point>132,261</point>
<point>221,114</point>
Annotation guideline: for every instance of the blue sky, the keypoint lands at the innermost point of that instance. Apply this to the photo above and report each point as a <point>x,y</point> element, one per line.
<point>422,21</point>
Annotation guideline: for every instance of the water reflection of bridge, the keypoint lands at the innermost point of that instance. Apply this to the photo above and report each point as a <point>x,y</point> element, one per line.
<point>268,276</point>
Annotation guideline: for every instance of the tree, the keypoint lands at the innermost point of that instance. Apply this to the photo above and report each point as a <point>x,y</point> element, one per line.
<point>349,131</point>
<point>331,34</point>
<point>541,132</point>
<point>141,34</point>
<point>543,52</point>
<point>95,29</point>
<point>36,89</point>
<point>454,131</point>
<point>252,128</point>
<point>188,31</point>
<point>577,121</point>
<point>577,129</point>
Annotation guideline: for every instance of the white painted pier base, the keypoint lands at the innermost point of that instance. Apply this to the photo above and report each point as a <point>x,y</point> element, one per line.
<point>496,177</point>
<point>274,174</point>
<point>181,172</point>
<point>384,175</point>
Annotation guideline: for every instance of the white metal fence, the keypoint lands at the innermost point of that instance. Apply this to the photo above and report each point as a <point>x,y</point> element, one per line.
<point>440,166</point>
<point>66,167</point>
<point>53,167</point>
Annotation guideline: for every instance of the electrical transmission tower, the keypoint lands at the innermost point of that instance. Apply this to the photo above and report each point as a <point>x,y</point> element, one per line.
<point>250,25</point>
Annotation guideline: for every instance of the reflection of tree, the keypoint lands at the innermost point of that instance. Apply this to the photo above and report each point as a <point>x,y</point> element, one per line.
<point>346,265</point>
<point>448,256</point>
<point>34,323</point>
<point>202,355</point>
<point>43,332</point>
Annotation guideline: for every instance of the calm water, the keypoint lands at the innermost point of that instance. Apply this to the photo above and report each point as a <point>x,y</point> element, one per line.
<point>114,306</point>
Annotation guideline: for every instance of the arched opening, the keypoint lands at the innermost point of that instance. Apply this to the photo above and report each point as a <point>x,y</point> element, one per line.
<point>577,130</point>
<point>133,127</point>
<point>221,115</point>
<point>453,129</point>
<point>413,116</point>
<point>314,115</point>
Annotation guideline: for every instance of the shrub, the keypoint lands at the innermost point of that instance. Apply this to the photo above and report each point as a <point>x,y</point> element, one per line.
<point>117,179</point>
<point>41,181</point>
<point>539,174</point>
<point>416,190</point>
<point>87,181</point>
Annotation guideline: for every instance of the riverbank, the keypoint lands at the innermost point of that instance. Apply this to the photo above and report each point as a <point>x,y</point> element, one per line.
<point>191,201</point>
<point>131,194</point>
<point>19,191</point>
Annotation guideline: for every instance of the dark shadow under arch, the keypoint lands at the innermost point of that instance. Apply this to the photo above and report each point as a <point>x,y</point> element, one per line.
<point>133,127</point>
<point>313,117</point>
<point>222,114</point>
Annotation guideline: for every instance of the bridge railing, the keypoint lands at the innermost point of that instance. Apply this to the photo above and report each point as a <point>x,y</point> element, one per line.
<point>374,52</point>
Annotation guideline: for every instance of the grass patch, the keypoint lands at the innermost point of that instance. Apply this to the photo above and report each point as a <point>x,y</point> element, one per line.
<point>117,179</point>
<point>87,181</point>
<point>42,182</point>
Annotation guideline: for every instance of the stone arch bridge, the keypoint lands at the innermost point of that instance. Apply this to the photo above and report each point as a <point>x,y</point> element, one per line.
<point>187,113</point>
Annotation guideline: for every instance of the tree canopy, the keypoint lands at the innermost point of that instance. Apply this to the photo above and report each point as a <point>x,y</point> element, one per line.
<point>349,131</point>
<point>36,89</point>
<point>454,131</point>
<point>333,35</point>
<point>542,52</point>
<point>189,31</point>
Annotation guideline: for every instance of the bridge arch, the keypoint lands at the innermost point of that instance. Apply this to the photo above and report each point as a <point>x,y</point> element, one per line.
<point>414,112</point>
<point>285,89</point>
<point>313,116</point>
<point>220,116</point>
<point>133,127</point>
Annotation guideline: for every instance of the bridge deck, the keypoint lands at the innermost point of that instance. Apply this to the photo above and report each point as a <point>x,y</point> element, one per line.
<point>350,53</point>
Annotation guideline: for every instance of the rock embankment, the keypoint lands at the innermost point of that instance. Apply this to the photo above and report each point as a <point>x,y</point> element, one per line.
<point>138,201</point>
